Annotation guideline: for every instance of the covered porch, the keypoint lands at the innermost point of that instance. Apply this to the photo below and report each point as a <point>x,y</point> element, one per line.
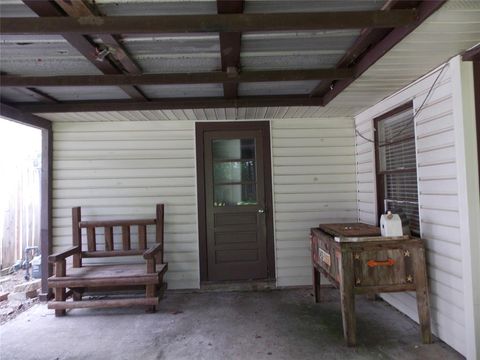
<point>134,98</point>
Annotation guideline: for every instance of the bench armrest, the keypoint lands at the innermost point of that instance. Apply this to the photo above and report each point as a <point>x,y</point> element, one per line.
<point>64,254</point>
<point>153,251</point>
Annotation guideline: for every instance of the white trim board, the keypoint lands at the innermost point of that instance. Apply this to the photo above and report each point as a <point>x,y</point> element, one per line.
<point>469,205</point>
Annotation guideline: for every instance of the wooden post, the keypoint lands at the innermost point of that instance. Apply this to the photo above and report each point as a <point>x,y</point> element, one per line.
<point>108,238</point>
<point>423,299</point>
<point>60,294</point>
<point>160,229</point>
<point>151,265</point>
<point>91,238</point>
<point>126,245</point>
<point>77,235</point>
<point>142,237</point>
<point>347,297</point>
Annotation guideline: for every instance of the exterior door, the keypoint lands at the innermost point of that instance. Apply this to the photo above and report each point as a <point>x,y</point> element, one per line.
<point>236,206</point>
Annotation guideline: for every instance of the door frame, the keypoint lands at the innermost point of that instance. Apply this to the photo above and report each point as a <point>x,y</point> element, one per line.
<point>200,129</point>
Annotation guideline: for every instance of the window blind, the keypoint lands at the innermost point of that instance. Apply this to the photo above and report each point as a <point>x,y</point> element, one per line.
<point>398,167</point>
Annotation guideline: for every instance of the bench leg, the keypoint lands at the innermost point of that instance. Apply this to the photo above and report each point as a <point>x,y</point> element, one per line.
<point>151,291</point>
<point>60,295</point>
<point>77,295</point>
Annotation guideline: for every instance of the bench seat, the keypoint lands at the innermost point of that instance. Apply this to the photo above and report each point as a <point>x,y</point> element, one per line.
<point>108,275</point>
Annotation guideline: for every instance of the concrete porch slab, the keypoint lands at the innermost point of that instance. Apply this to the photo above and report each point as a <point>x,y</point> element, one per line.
<point>279,324</point>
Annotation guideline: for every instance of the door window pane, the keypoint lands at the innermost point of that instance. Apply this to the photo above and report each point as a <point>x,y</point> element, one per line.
<point>233,171</point>
<point>233,149</point>
<point>235,195</point>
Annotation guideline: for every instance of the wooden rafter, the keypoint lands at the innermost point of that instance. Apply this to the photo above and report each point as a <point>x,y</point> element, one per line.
<point>207,23</point>
<point>230,45</point>
<point>48,9</point>
<point>175,78</point>
<point>380,48</point>
<point>381,30</point>
<point>367,37</point>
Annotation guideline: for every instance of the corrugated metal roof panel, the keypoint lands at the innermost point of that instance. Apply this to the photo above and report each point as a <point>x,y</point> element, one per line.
<point>276,88</point>
<point>68,93</point>
<point>300,60</point>
<point>48,66</point>
<point>178,63</point>
<point>286,50</point>
<point>284,42</point>
<point>15,8</point>
<point>172,44</point>
<point>16,94</point>
<point>183,7</point>
<point>275,6</point>
<point>132,8</point>
<point>36,46</point>
<point>190,90</point>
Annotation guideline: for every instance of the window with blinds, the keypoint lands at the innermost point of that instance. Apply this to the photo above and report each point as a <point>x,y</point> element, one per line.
<point>397,165</point>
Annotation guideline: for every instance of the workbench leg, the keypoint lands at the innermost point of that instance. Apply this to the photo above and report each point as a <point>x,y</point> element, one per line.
<point>316,285</point>
<point>423,298</point>
<point>347,297</point>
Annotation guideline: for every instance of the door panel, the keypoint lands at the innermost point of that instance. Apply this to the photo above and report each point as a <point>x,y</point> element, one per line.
<point>235,204</point>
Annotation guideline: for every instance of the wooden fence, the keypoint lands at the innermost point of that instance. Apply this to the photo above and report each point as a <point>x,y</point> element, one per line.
<point>20,210</point>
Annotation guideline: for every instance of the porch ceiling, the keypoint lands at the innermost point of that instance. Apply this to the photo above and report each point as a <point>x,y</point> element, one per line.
<point>270,68</point>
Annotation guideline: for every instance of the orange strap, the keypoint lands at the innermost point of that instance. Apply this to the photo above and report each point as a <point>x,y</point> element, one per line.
<point>388,262</point>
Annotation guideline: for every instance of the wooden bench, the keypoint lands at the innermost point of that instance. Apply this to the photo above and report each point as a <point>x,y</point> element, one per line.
<point>82,277</point>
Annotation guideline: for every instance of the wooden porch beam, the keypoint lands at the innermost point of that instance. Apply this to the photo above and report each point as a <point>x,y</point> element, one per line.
<point>170,103</point>
<point>14,114</point>
<point>472,54</point>
<point>230,45</point>
<point>207,23</point>
<point>215,77</point>
<point>84,45</point>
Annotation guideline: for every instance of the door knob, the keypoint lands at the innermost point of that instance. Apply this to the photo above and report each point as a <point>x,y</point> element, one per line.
<point>261,211</point>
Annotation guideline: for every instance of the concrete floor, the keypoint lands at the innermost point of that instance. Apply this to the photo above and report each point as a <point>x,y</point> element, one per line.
<point>279,324</point>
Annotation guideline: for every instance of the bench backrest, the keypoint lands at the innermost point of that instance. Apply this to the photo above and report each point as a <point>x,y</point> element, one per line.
<point>108,226</point>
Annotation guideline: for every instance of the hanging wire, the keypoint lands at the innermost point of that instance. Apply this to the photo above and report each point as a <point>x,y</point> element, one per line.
<point>430,91</point>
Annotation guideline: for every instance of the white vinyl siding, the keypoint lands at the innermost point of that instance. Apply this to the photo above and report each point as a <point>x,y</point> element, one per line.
<point>314,182</point>
<point>438,201</point>
<point>121,170</point>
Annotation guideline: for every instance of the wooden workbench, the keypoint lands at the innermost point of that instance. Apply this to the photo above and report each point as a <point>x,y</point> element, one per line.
<point>356,259</point>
